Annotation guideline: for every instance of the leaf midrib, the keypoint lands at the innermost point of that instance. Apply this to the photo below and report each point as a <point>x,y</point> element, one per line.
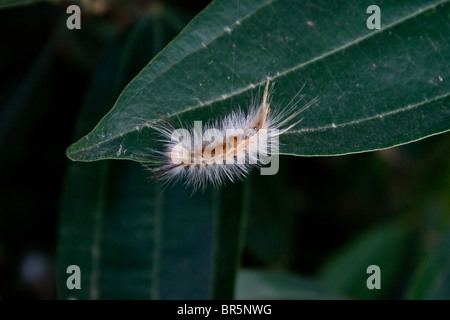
<point>377,116</point>
<point>371,118</point>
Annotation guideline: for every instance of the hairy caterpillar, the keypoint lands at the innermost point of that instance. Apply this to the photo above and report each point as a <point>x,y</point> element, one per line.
<point>225,149</point>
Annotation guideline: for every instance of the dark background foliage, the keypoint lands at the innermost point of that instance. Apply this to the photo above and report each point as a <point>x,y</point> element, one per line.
<point>319,218</point>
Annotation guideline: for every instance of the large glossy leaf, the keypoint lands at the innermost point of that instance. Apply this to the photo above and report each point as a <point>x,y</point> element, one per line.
<point>376,88</point>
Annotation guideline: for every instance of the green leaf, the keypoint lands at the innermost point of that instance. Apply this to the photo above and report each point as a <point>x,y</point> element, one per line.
<point>432,280</point>
<point>199,244</point>
<point>106,225</point>
<point>272,232</point>
<point>108,232</point>
<point>376,88</point>
<point>259,285</point>
<point>230,224</point>
<point>186,250</point>
<point>346,271</point>
<point>130,241</point>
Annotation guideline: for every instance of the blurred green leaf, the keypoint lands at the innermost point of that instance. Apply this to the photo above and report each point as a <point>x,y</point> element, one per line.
<point>185,252</point>
<point>21,95</point>
<point>200,244</point>
<point>130,241</point>
<point>273,220</point>
<point>433,278</point>
<point>230,225</point>
<point>386,246</point>
<point>256,285</point>
<point>107,228</point>
<point>377,89</point>
<point>107,224</point>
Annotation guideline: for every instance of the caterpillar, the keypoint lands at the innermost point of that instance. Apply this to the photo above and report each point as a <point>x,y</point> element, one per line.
<point>225,149</point>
